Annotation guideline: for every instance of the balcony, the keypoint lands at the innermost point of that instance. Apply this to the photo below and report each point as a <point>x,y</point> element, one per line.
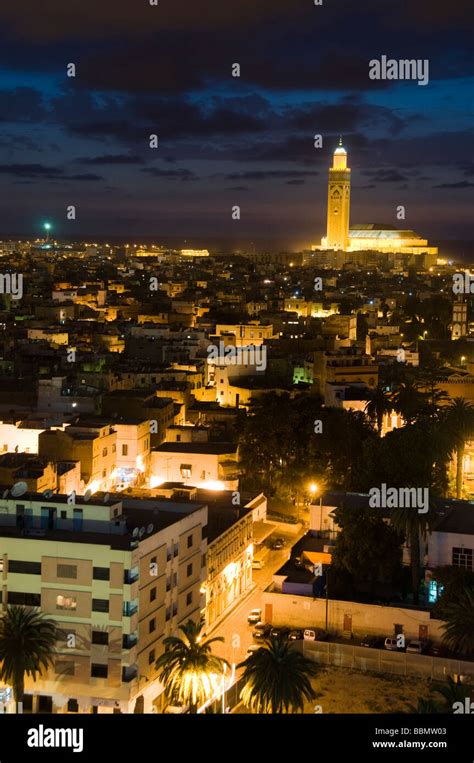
<point>129,673</point>
<point>129,640</point>
<point>129,608</point>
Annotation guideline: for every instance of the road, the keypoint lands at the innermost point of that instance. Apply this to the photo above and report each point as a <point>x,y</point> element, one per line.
<point>235,628</point>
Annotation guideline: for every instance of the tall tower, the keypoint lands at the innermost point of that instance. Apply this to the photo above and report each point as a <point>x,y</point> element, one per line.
<point>339,199</point>
<point>459,323</point>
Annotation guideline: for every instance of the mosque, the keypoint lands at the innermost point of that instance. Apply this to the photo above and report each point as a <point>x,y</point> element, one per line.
<point>368,236</point>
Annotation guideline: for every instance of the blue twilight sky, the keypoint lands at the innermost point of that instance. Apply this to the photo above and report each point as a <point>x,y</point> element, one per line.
<point>223,140</point>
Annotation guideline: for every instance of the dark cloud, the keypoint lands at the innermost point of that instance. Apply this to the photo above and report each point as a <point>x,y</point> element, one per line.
<point>269,174</point>
<point>181,174</point>
<point>112,159</point>
<point>386,175</point>
<point>459,184</point>
<point>43,171</point>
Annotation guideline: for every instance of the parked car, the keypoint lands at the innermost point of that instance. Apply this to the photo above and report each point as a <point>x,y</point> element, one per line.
<point>254,616</point>
<point>372,642</point>
<point>295,635</point>
<point>391,644</point>
<point>277,544</point>
<point>261,631</point>
<point>309,634</point>
<point>417,646</point>
<point>257,564</point>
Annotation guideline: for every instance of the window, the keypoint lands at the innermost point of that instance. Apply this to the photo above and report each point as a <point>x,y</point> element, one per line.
<point>186,470</point>
<point>151,657</point>
<point>153,594</point>
<point>190,540</point>
<point>26,568</point>
<point>152,625</point>
<point>100,637</point>
<point>178,438</point>
<point>462,557</point>
<point>189,598</point>
<point>124,450</point>
<point>101,573</point>
<point>99,671</point>
<point>189,570</point>
<point>100,605</point>
<point>114,448</point>
<point>63,514</point>
<point>168,614</point>
<point>64,668</point>
<point>25,599</point>
<point>104,452</point>
<point>104,473</point>
<point>66,602</point>
<point>72,706</point>
<point>66,571</point>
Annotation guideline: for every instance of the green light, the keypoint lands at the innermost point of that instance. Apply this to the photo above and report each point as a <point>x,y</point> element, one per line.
<point>47,226</point>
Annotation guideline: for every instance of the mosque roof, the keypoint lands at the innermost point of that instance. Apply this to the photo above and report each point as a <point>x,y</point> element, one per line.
<point>377,230</point>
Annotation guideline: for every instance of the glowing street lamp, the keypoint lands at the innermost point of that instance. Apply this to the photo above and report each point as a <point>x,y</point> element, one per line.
<point>47,227</point>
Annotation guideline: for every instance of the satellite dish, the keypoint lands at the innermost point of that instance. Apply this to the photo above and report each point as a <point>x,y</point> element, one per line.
<point>87,495</point>
<point>106,497</point>
<point>48,494</point>
<point>5,493</point>
<point>149,529</point>
<point>135,532</point>
<point>18,489</point>
<point>141,532</point>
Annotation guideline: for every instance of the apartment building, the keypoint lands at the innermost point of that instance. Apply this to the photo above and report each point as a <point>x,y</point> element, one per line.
<point>92,443</point>
<point>116,579</point>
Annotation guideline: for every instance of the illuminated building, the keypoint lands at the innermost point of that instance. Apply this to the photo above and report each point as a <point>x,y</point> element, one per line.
<point>362,237</point>
<point>116,579</point>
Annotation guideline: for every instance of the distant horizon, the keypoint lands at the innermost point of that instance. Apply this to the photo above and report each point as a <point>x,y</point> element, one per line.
<point>448,247</point>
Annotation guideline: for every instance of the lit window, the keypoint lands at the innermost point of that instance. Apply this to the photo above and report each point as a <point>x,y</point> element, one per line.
<point>66,602</point>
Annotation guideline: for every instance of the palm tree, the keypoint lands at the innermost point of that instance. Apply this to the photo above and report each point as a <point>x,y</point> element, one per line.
<point>408,400</point>
<point>189,671</point>
<point>459,625</point>
<point>452,692</point>
<point>27,646</point>
<point>409,522</point>
<point>425,707</point>
<point>458,422</point>
<point>377,406</point>
<point>277,678</point>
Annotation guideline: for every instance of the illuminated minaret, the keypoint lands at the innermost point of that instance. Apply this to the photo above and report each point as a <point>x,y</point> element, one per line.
<point>339,199</point>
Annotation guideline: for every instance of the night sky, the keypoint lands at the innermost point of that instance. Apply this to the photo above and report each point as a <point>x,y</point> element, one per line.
<point>223,141</point>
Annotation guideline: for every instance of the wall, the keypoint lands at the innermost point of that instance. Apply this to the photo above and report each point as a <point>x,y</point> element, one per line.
<point>304,612</point>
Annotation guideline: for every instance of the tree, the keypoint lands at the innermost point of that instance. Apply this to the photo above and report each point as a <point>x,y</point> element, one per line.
<point>27,647</point>
<point>459,626</point>
<point>408,400</point>
<point>277,678</point>
<point>452,692</point>
<point>191,674</point>
<point>458,423</point>
<point>377,406</point>
<point>366,547</point>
